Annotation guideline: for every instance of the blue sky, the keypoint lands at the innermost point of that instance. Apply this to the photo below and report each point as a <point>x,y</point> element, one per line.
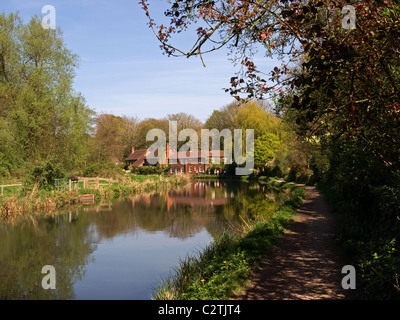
<point>122,69</point>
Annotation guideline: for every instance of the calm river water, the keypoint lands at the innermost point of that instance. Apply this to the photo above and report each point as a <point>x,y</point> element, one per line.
<point>122,248</point>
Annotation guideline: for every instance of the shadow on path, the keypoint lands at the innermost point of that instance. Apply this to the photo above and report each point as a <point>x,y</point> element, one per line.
<point>306,262</point>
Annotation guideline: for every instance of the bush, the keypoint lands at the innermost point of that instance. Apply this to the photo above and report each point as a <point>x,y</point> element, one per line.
<point>43,174</point>
<point>150,170</point>
<point>102,169</point>
<point>367,194</point>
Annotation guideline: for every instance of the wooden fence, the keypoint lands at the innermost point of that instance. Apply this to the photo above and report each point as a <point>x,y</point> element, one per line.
<point>95,183</point>
<point>7,185</point>
<point>88,183</point>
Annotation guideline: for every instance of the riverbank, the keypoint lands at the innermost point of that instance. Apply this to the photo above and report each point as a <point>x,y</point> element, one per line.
<point>224,267</point>
<point>24,203</point>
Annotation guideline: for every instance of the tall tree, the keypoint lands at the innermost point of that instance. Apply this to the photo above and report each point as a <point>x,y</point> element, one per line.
<point>251,116</point>
<point>41,113</point>
<point>223,118</point>
<point>143,128</point>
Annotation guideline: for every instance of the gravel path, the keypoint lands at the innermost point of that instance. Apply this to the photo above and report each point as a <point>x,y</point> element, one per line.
<point>306,262</point>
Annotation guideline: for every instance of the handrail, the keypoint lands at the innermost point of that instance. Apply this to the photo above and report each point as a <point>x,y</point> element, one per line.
<point>8,185</point>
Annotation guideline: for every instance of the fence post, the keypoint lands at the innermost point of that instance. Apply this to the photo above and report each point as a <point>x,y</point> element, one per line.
<point>69,185</point>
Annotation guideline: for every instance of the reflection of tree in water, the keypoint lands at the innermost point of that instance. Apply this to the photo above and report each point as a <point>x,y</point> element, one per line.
<point>63,243</point>
<point>184,212</point>
<point>181,213</point>
<point>67,241</point>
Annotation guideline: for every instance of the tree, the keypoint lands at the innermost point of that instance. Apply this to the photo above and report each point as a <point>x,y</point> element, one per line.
<point>251,116</point>
<point>223,118</point>
<point>348,83</point>
<point>265,149</point>
<point>185,121</point>
<point>114,137</point>
<point>129,134</point>
<point>147,124</point>
<point>107,140</point>
<point>40,113</point>
<point>341,96</point>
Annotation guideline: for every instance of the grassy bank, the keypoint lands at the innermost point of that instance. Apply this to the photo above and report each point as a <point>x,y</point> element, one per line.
<point>224,266</point>
<point>25,203</point>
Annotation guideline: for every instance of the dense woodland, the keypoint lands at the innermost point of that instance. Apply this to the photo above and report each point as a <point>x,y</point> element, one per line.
<point>333,118</point>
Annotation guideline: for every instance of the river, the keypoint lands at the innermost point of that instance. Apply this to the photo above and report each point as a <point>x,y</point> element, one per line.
<point>120,249</point>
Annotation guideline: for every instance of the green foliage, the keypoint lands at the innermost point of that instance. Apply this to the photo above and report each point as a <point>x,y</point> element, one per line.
<point>40,113</point>
<point>251,116</point>
<point>43,174</point>
<point>103,169</point>
<point>341,97</point>
<point>150,170</point>
<point>265,149</point>
<point>367,194</point>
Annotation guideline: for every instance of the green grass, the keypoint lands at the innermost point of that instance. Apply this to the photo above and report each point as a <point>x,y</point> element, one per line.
<point>224,266</point>
<point>9,191</point>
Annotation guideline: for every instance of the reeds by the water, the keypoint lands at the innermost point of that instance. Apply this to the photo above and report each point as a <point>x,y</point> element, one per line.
<point>25,204</point>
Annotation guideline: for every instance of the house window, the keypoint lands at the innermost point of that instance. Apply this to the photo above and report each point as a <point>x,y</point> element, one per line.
<point>181,169</point>
<point>201,168</point>
<point>172,170</point>
<point>176,170</point>
<point>190,169</point>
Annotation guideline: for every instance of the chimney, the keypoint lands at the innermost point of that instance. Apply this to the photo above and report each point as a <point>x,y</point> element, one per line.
<point>167,155</point>
<point>133,149</point>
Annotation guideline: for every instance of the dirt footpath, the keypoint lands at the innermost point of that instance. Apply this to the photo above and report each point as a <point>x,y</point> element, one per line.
<point>306,262</point>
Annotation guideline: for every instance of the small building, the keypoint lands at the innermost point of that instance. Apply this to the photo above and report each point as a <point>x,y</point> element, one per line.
<point>137,158</point>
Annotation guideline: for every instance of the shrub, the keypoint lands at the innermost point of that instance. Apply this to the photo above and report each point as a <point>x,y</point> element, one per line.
<point>102,169</point>
<point>43,174</point>
<point>149,170</point>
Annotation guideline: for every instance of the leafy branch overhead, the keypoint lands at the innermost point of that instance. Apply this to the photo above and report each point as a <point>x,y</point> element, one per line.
<point>343,82</point>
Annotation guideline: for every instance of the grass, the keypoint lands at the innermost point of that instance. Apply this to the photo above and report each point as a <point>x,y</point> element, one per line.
<point>9,191</point>
<point>224,266</point>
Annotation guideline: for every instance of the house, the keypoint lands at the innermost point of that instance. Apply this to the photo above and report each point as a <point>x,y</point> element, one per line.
<point>180,162</point>
<point>137,158</point>
<point>192,162</point>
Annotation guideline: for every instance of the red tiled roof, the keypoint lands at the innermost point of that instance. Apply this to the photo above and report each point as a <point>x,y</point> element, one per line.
<point>137,155</point>
<point>139,162</point>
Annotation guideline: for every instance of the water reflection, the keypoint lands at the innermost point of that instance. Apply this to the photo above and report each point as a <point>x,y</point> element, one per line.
<point>129,241</point>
